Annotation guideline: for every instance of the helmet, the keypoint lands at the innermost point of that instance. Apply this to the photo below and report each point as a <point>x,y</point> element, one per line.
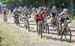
<point>38,11</point>
<point>65,10</point>
<point>54,7</point>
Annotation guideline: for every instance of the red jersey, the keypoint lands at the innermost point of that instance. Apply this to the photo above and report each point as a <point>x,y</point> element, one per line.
<point>38,16</point>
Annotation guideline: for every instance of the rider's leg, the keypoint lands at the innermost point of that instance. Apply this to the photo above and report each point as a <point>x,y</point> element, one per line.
<point>60,28</point>
<point>53,23</point>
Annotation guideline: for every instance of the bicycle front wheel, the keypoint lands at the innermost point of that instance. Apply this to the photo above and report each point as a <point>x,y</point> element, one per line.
<point>68,35</point>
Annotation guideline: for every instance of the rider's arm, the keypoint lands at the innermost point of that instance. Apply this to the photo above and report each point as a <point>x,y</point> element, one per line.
<point>61,14</point>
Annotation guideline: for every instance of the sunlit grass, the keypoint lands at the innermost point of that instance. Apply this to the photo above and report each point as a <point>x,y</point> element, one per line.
<point>10,35</point>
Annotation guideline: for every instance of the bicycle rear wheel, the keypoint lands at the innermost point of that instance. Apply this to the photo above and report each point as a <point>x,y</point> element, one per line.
<point>40,28</point>
<point>41,33</point>
<point>69,35</point>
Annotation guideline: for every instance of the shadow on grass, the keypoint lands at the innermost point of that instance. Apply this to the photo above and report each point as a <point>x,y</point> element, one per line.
<point>58,39</point>
<point>10,23</point>
<point>21,26</point>
<point>34,31</point>
<point>54,38</point>
<point>52,30</point>
<point>53,33</point>
<point>72,27</point>
<point>73,30</point>
<point>32,21</point>
<point>13,23</point>
<point>32,24</point>
<point>32,27</point>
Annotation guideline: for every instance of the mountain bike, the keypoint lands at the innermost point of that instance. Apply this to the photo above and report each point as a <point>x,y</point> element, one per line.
<point>66,31</point>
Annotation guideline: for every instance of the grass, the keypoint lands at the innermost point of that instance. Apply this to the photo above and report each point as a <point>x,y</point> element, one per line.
<point>11,36</point>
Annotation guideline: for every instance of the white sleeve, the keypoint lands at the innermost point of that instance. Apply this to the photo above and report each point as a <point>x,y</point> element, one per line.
<point>60,13</point>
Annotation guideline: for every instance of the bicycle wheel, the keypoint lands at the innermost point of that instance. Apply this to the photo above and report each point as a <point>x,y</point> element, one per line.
<point>40,28</point>
<point>69,35</point>
<point>41,33</point>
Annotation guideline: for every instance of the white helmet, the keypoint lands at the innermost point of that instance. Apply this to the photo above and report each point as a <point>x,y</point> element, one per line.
<point>65,10</point>
<point>38,11</point>
<point>33,8</point>
<point>53,7</point>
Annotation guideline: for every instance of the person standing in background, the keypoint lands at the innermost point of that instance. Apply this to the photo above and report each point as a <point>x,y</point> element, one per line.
<point>5,14</point>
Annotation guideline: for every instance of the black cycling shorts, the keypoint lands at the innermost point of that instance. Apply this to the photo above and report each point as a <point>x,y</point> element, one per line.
<point>53,14</point>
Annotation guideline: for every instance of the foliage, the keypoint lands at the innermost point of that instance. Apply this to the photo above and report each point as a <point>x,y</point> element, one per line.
<point>39,2</point>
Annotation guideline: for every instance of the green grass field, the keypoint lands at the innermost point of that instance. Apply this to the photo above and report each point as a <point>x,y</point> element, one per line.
<point>7,32</point>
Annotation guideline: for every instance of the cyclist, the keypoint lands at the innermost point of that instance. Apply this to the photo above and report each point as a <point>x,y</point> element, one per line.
<point>16,16</point>
<point>38,18</point>
<point>5,14</point>
<point>26,18</point>
<point>26,21</point>
<point>44,15</point>
<point>14,12</point>
<point>54,14</point>
<point>63,17</point>
<point>20,13</point>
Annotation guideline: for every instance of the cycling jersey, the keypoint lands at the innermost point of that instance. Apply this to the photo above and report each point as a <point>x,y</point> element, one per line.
<point>64,18</point>
<point>38,16</point>
<point>54,12</point>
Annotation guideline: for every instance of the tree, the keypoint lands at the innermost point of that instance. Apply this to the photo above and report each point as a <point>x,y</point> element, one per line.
<point>38,2</point>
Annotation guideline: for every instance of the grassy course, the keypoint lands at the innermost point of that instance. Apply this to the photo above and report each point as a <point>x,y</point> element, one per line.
<point>11,36</point>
